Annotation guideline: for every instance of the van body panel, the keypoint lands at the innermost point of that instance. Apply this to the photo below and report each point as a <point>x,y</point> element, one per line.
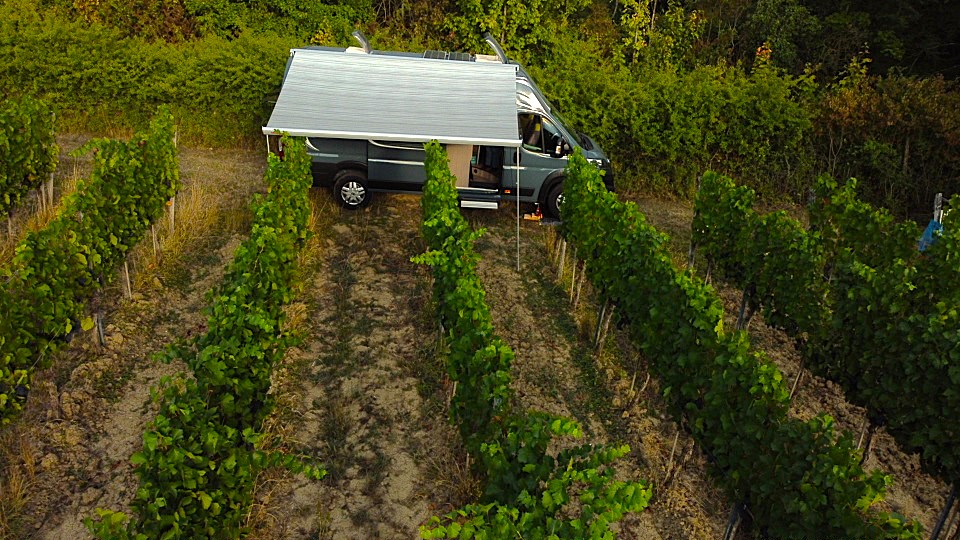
<point>328,156</point>
<point>397,162</point>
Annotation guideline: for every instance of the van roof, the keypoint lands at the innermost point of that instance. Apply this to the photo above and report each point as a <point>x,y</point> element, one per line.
<point>347,93</point>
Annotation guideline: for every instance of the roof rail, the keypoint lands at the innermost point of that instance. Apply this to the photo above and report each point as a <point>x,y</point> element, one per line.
<point>496,47</point>
<point>363,40</point>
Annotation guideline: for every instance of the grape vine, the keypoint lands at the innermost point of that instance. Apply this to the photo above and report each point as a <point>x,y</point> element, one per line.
<point>798,478</point>
<point>203,451</point>
<point>869,311</point>
<point>55,271</point>
<point>528,492</point>
<point>28,152</point>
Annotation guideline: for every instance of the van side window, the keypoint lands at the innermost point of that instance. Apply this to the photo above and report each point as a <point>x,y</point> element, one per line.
<point>530,131</point>
<point>539,134</point>
<point>551,137</point>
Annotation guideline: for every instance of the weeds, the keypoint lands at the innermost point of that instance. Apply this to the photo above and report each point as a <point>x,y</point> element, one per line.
<point>18,464</point>
<point>168,254</point>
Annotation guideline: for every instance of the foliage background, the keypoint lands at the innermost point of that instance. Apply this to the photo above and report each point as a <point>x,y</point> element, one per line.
<point>772,92</point>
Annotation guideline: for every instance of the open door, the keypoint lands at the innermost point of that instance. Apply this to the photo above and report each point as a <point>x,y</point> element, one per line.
<point>486,171</point>
<point>486,167</point>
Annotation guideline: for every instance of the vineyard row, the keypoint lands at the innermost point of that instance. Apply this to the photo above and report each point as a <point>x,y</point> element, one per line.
<point>28,152</point>
<point>204,450</point>
<point>56,270</point>
<point>869,310</point>
<point>797,478</point>
<point>527,491</point>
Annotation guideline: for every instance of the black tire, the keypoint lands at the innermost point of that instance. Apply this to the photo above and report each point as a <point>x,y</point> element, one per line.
<point>554,200</point>
<point>350,189</point>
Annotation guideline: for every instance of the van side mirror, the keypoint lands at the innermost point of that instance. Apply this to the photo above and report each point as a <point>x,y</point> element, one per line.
<point>561,148</point>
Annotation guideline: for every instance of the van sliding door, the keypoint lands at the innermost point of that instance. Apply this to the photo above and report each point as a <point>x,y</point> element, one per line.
<point>395,166</point>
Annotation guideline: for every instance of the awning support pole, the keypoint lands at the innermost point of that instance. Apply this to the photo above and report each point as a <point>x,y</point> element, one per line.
<point>518,209</point>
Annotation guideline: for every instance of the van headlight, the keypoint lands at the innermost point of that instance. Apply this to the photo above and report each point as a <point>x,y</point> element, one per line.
<point>596,162</point>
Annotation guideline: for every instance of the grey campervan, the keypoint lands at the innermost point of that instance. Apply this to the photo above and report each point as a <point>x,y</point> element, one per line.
<point>366,114</point>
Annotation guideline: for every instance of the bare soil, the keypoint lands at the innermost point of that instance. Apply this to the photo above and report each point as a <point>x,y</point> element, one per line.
<point>360,400</point>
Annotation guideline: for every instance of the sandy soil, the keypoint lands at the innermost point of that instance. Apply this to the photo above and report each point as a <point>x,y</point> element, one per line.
<point>356,404</point>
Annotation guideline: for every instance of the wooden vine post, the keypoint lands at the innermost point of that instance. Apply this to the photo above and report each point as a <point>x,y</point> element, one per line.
<point>691,254</point>
<point>556,247</point>
<point>573,275</point>
<point>563,258</point>
<point>600,317</point>
<point>796,382</point>
<point>126,279</point>
<point>733,522</point>
<point>743,319</point>
<point>869,430</point>
<point>583,277</point>
<point>48,192</point>
<point>602,336</point>
<point>156,246</point>
<point>935,534</point>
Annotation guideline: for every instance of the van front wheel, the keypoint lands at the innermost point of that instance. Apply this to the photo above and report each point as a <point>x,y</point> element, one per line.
<point>350,189</point>
<point>554,200</point>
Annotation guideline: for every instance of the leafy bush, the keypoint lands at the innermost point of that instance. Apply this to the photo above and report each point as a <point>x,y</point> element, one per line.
<point>667,126</point>
<point>28,152</point>
<point>101,80</point>
<point>899,136</point>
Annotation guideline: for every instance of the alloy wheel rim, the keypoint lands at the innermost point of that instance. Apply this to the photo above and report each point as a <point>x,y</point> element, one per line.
<point>353,193</point>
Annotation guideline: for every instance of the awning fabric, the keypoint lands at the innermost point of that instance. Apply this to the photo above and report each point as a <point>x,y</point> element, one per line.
<point>349,95</point>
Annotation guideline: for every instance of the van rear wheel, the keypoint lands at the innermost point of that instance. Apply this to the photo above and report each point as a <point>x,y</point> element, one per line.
<point>350,189</point>
<point>554,200</point>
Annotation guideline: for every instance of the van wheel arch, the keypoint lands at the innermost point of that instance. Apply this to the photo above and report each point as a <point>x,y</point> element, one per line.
<point>548,194</point>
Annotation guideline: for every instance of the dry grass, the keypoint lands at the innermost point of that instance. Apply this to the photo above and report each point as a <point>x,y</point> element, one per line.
<point>448,472</point>
<point>18,470</point>
<point>32,216</point>
<point>162,255</point>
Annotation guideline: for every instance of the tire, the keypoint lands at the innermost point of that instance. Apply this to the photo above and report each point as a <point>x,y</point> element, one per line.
<point>350,189</point>
<point>554,200</point>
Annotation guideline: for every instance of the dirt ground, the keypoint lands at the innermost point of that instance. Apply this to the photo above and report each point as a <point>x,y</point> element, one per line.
<point>356,394</point>
<point>365,391</point>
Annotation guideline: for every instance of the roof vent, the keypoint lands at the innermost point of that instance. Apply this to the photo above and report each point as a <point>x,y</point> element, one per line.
<point>444,55</point>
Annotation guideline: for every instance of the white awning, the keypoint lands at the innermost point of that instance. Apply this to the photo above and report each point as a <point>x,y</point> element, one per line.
<point>348,95</point>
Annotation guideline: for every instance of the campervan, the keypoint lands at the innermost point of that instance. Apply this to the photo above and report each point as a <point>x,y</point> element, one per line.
<point>366,114</point>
